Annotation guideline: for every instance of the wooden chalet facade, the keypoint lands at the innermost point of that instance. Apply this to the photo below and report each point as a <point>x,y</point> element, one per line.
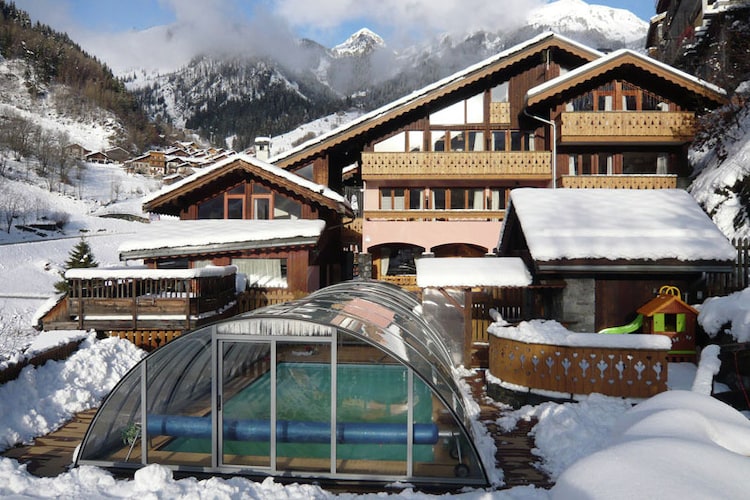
<point>609,251</point>
<point>436,167</point>
<point>284,225</point>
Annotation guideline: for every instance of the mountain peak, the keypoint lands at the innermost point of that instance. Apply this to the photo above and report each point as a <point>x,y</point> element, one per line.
<point>580,16</point>
<point>362,42</point>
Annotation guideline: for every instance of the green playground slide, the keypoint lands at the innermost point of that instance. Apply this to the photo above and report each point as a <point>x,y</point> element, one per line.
<point>629,328</point>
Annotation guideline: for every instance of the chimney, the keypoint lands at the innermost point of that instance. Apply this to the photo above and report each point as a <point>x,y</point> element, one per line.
<point>262,148</point>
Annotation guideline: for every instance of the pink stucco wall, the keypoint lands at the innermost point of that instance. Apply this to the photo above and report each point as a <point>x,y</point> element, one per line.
<point>429,234</point>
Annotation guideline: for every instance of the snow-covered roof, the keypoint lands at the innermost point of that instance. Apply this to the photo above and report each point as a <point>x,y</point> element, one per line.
<point>606,59</point>
<point>431,88</point>
<point>272,169</point>
<point>617,224</point>
<point>469,272</point>
<point>138,272</point>
<point>197,235</point>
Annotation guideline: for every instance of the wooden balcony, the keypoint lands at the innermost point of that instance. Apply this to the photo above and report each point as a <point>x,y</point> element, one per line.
<point>619,181</point>
<point>626,127</point>
<point>434,215</point>
<point>532,165</point>
<point>144,299</point>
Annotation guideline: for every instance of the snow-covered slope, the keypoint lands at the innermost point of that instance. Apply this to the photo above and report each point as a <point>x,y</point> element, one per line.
<point>56,110</point>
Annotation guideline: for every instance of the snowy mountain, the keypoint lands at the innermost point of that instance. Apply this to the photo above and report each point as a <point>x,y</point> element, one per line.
<point>362,71</point>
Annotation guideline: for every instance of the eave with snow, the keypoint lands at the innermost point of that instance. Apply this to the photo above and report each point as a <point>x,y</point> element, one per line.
<point>276,226</point>
<point>612,249</point>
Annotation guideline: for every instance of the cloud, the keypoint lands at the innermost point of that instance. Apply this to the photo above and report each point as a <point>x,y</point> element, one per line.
<point>421,17</point>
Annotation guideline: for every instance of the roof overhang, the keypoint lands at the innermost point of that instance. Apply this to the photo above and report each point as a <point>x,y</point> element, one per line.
<point>631,267</point>
<point>620,60</point>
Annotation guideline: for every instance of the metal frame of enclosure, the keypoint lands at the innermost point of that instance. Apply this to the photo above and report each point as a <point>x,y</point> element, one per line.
<point>356,385</point>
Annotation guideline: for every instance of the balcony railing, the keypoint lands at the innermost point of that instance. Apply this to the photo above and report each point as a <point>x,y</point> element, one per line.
<point>627,126</point>
<point>479,164</point>
<point>619,181</point>
<point>434,215</point>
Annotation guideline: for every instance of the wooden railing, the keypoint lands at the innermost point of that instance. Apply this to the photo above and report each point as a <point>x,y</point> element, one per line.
<point>255,298</point>
<point>481,164</point>
<point>640,126</point>
<point>406,281</point>
<point>500,112</point>
<point>625,181</point>
<point>577,370</point>
<point>435,215</point>
<point>719,284</point>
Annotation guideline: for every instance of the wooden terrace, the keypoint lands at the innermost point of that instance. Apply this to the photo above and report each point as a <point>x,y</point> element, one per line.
<point>138,299</point>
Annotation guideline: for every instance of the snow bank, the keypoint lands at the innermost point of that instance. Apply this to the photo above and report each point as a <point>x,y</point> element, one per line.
<point>46,397</point>
<point>734,309</point>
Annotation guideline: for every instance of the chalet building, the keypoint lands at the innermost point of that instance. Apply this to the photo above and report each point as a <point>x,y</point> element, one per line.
<point>609,251</point>
<point>117,154</point>
<point>77,151</point>
<point>273,224</point>
<point>688,33</point>
<point>436,167</point>
<point>97,157</point>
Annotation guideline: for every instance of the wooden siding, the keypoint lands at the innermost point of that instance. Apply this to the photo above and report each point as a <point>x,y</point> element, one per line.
<point>460,165</point>
<point>719,284</point>
<point>619,372</point>
<point>626,126</point>
<point>625,181</point>
<point>255,298</point>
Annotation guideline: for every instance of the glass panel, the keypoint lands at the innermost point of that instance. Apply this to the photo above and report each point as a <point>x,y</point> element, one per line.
<point>394,144</point>
<point>500,93</point>
<point>371,410</point>
<point>246,396</point>
<point>475,109</point>
<point>476,141</point>
<point>212,209</point>
<point>458,141</point>
<point>605,164</point>
<point>498,140</point>
<point>386,203</point>
<point>516,140</point>
<point>416,140</point>
<point>265,273</point>
<point>260,189</point>
<point>178,403</point>
<point>450,455</point>
<point>639,163</point>
<point>115,435</point>
<point>303,406</point>
<point>398,199</point>
<point>261,208</point>
<point>438,140</point>
<point>476,199</point>
<point>235,208</point>
<point>239,189</point>
<point>285,208</point>
<point>438,198</point>
<point>451,115</point>
<point>458,199</point>
<point>416,197</point>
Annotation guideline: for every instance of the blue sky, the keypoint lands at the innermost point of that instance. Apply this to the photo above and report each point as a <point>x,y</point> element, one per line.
<point>105,28</point>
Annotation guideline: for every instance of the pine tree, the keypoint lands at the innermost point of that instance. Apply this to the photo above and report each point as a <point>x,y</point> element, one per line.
<point>80,256</point>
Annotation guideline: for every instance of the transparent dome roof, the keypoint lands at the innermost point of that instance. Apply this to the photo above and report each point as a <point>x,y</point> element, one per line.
<point>348,383</point>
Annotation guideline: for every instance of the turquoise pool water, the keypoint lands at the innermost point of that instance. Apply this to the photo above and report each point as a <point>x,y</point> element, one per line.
<point>366,394</point>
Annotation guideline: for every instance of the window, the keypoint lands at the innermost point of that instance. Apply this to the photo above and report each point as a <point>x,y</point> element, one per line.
<point>470,110</point>
<point>392,198</point>
<point>285,208</point>
<point>440,198</point>
<point>212,209</point>
<point>393,144</point>
<point>263,272</point>
<point>498,140</point>
<point>439,138</point>
<point>499,93</point>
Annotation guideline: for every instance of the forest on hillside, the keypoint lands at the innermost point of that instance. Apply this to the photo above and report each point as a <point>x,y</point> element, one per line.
<point>54,58</point>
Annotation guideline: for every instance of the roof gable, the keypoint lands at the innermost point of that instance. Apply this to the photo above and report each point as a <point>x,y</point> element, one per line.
<point>433,92</point>
<point>636,68</point>
<point>615,225</point>
<point>167,200</point>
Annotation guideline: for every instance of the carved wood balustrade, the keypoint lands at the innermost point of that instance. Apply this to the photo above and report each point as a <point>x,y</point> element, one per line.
<point>477,164</point>
<point>626,181</point>
<point>622,372</point>
<point>639,126</point>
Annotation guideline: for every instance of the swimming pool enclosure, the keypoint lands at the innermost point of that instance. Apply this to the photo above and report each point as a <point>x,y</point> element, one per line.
<point>349,383</point>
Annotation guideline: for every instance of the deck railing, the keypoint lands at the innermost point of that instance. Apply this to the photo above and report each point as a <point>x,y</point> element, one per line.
<point>108,300</point>
<point>578,369</point>
<point>636,126</point>
<point>478,164</point>
<point>625,181</point>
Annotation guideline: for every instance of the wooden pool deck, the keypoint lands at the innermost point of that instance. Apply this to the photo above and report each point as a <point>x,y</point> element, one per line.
<point>52,455</point>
